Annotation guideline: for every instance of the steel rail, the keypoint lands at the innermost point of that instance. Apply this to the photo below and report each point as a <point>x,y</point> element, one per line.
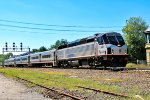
<point>59,92</point>
<point>136,69</point>
<point>106,92</point>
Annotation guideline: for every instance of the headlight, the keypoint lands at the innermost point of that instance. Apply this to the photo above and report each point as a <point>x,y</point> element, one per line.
<point>112,51</point>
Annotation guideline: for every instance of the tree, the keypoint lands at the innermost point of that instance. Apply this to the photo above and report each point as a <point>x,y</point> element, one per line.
<point>58,43</point>
<point>35,50</point>
<point>42,48</point>
<point>6,56</point>
<point>135,38</point>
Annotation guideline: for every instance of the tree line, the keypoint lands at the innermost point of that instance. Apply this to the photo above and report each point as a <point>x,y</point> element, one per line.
<point>54,46</point>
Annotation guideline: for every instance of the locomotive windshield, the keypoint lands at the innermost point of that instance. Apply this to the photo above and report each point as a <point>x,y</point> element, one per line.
<point>112,40</point>
<point>120,40</point>
<point>115,40</point>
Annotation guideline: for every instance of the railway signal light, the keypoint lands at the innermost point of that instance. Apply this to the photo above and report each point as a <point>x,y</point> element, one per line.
<point>14,46</point>
<point>6,46</point>
<point>21,46</point>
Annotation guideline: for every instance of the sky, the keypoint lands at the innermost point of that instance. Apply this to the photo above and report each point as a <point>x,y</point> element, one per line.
<point>64,19</point>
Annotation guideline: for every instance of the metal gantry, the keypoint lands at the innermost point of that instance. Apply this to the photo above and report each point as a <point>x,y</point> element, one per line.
<point>14,48</point>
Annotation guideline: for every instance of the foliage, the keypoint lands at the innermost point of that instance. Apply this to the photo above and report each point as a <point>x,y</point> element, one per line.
<point>6,56</point>
<point>58,43</point>
<point>42,48</point>
<point>55,46</point>
<point>135,38</point>
<point>35,50</point>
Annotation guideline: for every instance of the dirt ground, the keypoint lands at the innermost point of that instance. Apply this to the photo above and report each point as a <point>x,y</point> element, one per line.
<point>13,90</point>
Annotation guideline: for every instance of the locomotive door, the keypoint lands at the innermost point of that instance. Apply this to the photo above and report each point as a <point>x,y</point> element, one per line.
<point>95,48</point>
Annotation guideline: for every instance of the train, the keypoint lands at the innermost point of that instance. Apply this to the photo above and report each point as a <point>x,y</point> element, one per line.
<point>100,50</point>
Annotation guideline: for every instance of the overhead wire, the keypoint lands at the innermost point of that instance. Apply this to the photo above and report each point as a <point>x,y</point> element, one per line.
<point>53,33</point>
<point>46,29</point>
<point>71,26</point>
<point>50,29</point>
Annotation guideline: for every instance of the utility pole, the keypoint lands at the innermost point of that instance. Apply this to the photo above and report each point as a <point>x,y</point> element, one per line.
<point>14,48</point>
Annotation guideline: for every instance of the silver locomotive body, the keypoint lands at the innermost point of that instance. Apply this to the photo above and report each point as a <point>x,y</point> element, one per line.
<point>106,49</point>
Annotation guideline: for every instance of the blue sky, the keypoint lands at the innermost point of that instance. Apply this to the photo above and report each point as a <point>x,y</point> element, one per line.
<point>95,13</point>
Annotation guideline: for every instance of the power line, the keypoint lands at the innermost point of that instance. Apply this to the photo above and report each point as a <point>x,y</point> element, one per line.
<point>69,26</point>
<point>46,29</point>
<point>34,32</point>
<point>53,33</point>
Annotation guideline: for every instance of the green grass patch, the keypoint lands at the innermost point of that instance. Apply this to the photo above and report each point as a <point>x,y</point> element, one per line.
<point>56,80</point>
<point>133,65</point>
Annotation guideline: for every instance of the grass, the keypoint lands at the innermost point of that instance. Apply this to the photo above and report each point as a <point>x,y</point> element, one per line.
<point>133,65</point>
<point>56,79</point>
<point>109,79</point>
<point>61,80</point>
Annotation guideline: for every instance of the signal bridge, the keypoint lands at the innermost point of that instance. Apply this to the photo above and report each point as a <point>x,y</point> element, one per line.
<point>13,49</point>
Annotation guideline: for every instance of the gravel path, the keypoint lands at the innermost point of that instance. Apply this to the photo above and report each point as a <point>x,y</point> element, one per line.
<point>13,90</point>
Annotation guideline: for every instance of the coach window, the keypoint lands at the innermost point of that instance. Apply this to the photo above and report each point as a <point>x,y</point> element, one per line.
<point>35,57</point>
<point>17,59</point>
<point>46,56</point>
<point>24,59</point>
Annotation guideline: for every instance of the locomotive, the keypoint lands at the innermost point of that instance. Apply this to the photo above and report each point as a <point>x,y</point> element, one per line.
<point>102,49</point>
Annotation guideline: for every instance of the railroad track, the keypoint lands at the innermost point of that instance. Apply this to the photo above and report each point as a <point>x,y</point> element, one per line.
<point>110,68</point>
<point>99,68</point>
<point>96,90</point>
<point>106,92</point>
<point>137,69</point>
<point>70,95</point>
<point>51,89</point>
<point>75,97</point>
